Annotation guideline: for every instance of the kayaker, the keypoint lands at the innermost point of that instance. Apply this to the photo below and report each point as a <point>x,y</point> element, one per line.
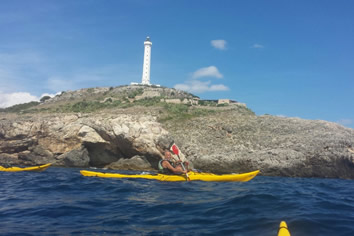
<point>168,166</point>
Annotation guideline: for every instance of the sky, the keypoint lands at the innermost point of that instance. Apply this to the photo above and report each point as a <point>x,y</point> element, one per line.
<point>291,58</point>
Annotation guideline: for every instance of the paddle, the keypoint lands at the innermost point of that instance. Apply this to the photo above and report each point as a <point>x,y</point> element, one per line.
<point>175,150</point>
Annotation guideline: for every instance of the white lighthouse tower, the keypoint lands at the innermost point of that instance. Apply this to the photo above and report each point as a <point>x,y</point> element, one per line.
<point>147,61</point>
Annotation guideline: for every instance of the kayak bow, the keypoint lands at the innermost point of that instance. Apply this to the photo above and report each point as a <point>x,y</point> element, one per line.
<point>283,229</point>
<point>32,168</point>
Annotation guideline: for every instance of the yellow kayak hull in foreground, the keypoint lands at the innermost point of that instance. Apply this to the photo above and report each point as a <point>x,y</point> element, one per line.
<point>32,168</point>
<point>193,176</point>
<point>283,229</point>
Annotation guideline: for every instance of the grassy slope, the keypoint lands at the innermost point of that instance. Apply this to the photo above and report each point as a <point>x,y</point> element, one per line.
<point>122,99</point>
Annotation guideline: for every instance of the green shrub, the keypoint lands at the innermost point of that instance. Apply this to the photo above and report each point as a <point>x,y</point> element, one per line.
<point>180,112</point>
<point>176,108</point>
<point>135,92</point>
<point>86,106</point>
<point>44,98</point>
<point>20,107</point>
<point>207,103</point>
<point>222,105</point>
<point>148,101</point>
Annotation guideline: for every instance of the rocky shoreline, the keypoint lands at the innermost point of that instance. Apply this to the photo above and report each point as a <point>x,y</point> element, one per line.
<point>77,140</point>
<point>219,140</point>
<point>224,142</point>
<point>277,146</point>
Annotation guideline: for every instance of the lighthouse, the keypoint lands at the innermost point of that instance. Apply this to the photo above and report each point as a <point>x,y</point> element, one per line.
<point>147,62</point>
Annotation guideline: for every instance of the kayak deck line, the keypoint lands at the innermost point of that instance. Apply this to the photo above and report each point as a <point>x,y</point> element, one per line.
<point>32,168</point>
<point>193,176</point>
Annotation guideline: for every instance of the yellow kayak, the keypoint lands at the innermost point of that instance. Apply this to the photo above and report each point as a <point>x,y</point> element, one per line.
<point>283,229</point>
<point>32,168</point>
<point>193,176</point>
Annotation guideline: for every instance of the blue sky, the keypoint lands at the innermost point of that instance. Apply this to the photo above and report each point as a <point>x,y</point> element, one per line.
<point>280,57</point>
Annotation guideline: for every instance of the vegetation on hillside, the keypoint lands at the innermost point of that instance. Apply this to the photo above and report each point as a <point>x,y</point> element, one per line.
<point>96,99</point>
<point>19,107</point>
<point>180,112</point>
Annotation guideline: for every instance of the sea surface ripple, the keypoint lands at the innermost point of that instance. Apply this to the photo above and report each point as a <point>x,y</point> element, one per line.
<point>59,201</point>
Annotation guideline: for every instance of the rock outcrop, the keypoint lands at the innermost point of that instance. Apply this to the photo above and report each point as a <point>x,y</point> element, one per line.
<point>80,140</point>
<point>232,142</point>
<point>134,163</point>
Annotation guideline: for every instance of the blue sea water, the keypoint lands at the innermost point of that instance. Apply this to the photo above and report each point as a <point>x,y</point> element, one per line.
<point>59,201</point>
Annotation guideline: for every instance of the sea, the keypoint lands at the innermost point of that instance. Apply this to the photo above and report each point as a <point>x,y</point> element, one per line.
<point>59,201</point>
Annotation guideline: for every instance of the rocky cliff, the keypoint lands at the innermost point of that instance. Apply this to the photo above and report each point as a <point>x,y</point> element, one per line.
<point>235,142</point>
<point>217,139</point>
<point>77,140</point>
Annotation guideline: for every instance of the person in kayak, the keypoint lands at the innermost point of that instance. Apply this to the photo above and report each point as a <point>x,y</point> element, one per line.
<point>168,166</point>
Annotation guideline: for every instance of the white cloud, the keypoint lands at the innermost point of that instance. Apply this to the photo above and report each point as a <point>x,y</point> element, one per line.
<point>210,71</point>
<point>218,87</point>
<point>10,99</point>
<point>219,44</point>
<point>256,45</point>
<point>196,86</point>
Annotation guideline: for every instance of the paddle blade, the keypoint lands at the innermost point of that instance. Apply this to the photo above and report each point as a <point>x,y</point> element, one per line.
<point>175,149</point>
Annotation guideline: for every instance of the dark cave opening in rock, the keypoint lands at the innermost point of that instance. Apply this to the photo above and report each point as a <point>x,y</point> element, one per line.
<point>102,155</point>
